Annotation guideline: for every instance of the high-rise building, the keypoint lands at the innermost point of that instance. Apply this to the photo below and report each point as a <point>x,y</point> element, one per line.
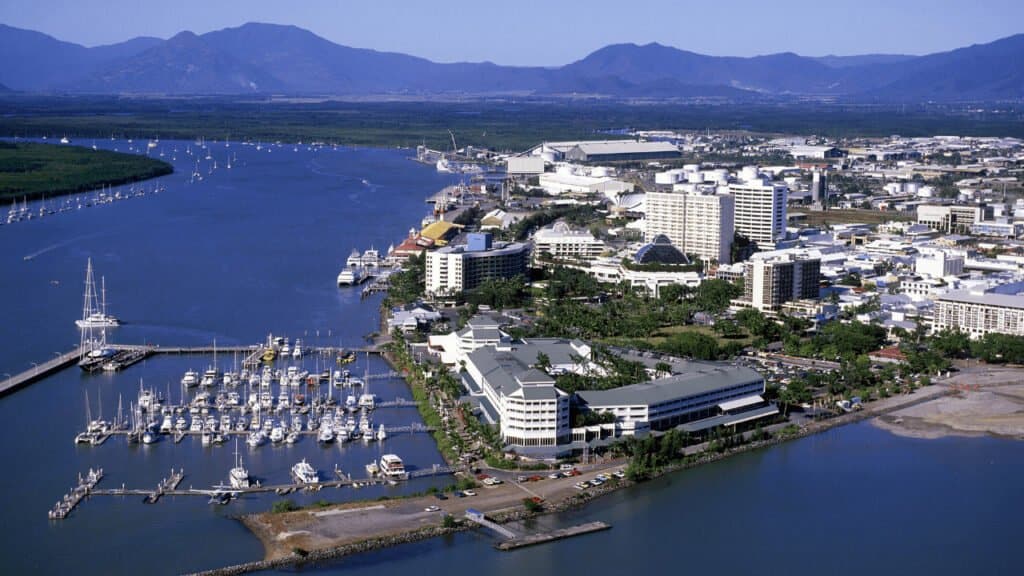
<point>708,226</point>
<point>773,279</point>
<point>698,224</point>
<point>819,189</point>
<point>454,269</point>
<point>760,210</point>
<point>561,242</point>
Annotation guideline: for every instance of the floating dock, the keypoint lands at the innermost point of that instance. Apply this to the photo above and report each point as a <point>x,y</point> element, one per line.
<point>544,537</point>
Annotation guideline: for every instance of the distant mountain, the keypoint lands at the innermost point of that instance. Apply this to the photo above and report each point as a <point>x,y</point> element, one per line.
<point>861,60</point>
<point>268,58</point>
<point>34,61</point>
<point>993,71</point>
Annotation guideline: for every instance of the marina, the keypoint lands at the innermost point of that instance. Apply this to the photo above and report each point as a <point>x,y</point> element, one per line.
<point>174,296</point>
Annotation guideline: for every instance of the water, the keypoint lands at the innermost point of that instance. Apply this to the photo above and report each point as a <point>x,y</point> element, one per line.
<point>246,251</point>
<point>855,500</point>
<point>255,250</point>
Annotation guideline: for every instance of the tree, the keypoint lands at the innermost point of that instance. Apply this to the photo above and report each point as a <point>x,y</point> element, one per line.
<point>714,295</point>
<point>543,362</point>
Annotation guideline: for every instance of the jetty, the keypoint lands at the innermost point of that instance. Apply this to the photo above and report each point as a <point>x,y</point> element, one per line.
<point>544,537</point>
<point>39,371</point>
<point>86,484</point>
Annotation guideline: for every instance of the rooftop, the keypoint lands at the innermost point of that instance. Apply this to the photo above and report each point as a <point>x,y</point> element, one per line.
<point>696,378</point>
<point>986,298</point>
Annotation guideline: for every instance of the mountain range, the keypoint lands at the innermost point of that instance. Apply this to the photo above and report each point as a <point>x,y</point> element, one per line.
<point>260,58</point>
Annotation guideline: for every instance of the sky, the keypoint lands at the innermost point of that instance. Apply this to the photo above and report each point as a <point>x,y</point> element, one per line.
<point>550,32</point>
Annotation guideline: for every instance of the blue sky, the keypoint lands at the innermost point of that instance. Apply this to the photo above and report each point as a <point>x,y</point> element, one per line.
<point>550,32</point>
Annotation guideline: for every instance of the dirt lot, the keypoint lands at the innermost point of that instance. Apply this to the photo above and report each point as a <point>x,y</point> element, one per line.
<point>348,523</point>
<point>989,400</point>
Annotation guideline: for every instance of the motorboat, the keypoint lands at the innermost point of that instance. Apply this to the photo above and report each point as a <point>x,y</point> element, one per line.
<point>277,434</point>
<point>352,276</point>
<point>304,473</point>
<point>391,466</point>
<point>190,379</point>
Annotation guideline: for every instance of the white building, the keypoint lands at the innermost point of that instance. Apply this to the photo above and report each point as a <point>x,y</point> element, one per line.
<point>700,224</point>
<point>979,313</point>
<point>562,242</point>
<point>774,278</point>
<point>709,228</point>
<point>454,269</point>
<point>696,396</point>
<point>938,263</point>
<point>566,182</point>
<point>531,410</point>
<point>524,166</point>
<point>760,210</point>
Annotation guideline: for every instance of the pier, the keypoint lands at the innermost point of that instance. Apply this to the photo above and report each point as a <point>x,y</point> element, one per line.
<point>543,537</point>
<point>39,371</point>
<point>127,354</point>
<point>63,508</point>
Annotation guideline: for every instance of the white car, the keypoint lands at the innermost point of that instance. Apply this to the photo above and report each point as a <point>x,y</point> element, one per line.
<point>431,509</point>
<point>468,493</point>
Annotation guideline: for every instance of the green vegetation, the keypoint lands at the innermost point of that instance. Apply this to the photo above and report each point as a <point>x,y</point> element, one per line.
<point>502,125</point>
<point>499,293</point>
<point>37,170</point>
<point>407,285</point>
<point>533,506</point>
<point>286,505</point>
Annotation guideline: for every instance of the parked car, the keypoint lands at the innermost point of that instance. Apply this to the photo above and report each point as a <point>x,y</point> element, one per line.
<point>440,496</point>
<point>431,509</point>
<point>468,493</point>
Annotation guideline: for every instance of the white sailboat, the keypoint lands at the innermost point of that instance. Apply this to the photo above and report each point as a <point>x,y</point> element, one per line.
<point>94,310</point>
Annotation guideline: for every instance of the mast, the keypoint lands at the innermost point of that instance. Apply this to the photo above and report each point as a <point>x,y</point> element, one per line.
<point>103,303</point>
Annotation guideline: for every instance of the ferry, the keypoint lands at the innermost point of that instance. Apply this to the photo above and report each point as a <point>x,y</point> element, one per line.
<point>391,466</point>
<point>304,473</point>
<point>352,276</point>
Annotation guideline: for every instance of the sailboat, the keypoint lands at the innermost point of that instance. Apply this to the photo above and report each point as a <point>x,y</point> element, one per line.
<point>94,310</point>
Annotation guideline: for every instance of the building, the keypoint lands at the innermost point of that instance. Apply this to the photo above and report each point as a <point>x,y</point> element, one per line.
<point>455,269</point>
<point>760,210</point>
<point>561,242</point>
<point>480,331</point>
<point>773,278</point>
<point>496,219</point>
<point>660,251</point>
<point>939,263</point>
<point>621,150</point>
<point>803,151</point>
<point>819,189</point>
<point>979,313</point>
<point>511,388</point>
<point>952,219</point>
<point>567,182</point>
<point>524,166</point>
<point>697,224</point>
<point>708,230</point>
<point>695,396</point>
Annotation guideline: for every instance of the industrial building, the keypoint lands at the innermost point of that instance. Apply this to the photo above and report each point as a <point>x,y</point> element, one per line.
<point>953,219</point>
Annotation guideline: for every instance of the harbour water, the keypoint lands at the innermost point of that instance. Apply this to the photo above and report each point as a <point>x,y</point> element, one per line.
<point>255,249</point>
<point>246,251</point>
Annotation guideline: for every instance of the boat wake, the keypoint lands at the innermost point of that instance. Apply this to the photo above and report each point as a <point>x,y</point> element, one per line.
<point>68,242</point>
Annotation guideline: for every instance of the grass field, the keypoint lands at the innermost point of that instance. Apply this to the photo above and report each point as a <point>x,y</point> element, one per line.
<point>34,170</point>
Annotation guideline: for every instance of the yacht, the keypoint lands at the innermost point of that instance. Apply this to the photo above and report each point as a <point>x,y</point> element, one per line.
<point>304,473</point>
<point>256,438</point>
<point>325,434</point>
<point>352,276</point>
<point>285,350</point>
<point>391,466</point>
<point>350,403</point>
<point>381,434</point>
<point>367,401</point>
<point>190,379</point>
<point>277,434</point>
<point>291,438</point>
<point>148,437</point>
<point>211,377</point>
<point>238,475</point>
<point>297,350</point>
<point>94,311</point>
<point>167,425</point>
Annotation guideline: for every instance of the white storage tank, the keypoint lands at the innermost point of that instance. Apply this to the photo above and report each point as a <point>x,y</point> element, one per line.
<point>600,172</point>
